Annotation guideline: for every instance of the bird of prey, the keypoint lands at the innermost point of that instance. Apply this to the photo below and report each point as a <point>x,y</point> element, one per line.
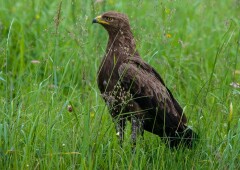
<point>134,91</point>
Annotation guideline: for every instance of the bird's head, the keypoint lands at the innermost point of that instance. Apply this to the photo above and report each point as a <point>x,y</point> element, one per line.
<point>113,21</point>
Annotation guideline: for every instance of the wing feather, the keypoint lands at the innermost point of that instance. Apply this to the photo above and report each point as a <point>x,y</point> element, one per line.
<point>145,82</point>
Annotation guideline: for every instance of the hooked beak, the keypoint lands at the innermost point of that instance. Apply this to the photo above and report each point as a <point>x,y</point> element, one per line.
<point>94,20</point>
<point>99,20</point>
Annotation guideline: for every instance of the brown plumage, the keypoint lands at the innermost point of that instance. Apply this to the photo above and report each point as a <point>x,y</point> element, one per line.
<point>134,91</point>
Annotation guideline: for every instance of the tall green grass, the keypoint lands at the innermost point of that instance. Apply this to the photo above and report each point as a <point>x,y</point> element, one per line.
<point>49,56</point>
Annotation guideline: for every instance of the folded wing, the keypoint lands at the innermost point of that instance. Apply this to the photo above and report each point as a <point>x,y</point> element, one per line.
<point>150,93</point>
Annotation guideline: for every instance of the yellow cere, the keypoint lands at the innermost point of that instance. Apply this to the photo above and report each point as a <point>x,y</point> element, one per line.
<point>99,20</point>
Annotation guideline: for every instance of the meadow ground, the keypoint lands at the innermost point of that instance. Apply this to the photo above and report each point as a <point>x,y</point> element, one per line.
<point>49,56</point>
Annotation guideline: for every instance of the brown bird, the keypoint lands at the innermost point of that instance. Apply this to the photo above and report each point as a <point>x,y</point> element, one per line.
<point>134,91</point>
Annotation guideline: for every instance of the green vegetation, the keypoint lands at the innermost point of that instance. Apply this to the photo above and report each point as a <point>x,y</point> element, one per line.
<point>49,57</point>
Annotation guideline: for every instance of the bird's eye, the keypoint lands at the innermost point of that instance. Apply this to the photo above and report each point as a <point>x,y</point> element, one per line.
<point>108,18</point>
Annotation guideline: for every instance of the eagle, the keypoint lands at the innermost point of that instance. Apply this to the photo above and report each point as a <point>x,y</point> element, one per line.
<point>134,91</point>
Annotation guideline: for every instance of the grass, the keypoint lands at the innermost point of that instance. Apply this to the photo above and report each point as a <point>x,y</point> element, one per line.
<point>49,56</point>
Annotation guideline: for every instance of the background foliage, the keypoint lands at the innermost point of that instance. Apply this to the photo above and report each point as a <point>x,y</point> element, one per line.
<point>49,56</point>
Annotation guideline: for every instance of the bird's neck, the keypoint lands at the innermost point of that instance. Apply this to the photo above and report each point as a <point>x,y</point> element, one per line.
<point>122,42</point>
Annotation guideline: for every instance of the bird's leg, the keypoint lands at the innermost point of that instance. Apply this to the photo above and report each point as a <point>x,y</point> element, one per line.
<point>137,128</point>
<point>120,126</point>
